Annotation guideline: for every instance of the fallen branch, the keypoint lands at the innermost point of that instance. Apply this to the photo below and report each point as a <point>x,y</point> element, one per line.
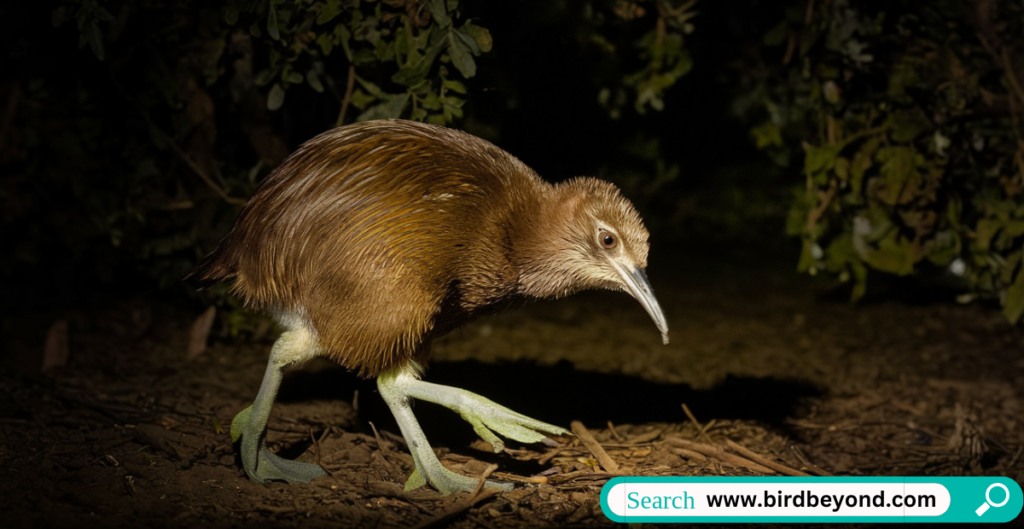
<point>595,448</point>
<point>781,469</point>
<point>690,454</point>
<point>717,452</point>
<point>810,466</point>
<point>693,419</point>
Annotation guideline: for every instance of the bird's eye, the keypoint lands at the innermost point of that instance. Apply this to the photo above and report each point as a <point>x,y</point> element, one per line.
<point>607,239</point>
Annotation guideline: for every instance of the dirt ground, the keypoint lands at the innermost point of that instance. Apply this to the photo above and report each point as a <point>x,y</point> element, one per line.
<point>131,434</point>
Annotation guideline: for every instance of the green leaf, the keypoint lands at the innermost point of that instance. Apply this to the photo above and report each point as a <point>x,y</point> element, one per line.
<point>777,35</point>
<point>231,16</point>
<point>862,161</point>
<point>293,77</point>
<point>908,124</point>
<point>897,170</point>
<point>343,36</point>
<point>481,35</point>
<point>454,86</point>
<point>266,76</point>
<point>363,57</point>
<point>767,134</point>
<point>372,88</point>
<point>461,57</point>
<point>361,99</point>
<point>390,108</point>
<point>820,159</point>
<point>468,40</point>
<point>894,254</point>
<point>276,97</point>
<point>1013,309</point>
<point>945,247</point>
<point>418,114</point>
<point>412,75</point>
<point>439,13</point>
<point>272,29</point>
<point>984,232</point>
<point>314,81</point>
<point>329,10</point>
<point>326,42</point>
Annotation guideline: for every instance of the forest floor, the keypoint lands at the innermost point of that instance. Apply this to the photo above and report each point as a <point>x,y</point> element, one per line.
<point>131,434</point>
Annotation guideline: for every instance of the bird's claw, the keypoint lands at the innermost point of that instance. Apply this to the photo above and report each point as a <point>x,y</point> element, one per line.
<point>260,463</point>
<point>486,417</point>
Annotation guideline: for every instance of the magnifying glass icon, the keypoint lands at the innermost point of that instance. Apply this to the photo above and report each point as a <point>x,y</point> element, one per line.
<point>988,500</point>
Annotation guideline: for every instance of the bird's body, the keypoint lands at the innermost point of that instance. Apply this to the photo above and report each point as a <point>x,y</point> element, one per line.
<point>373,239</point>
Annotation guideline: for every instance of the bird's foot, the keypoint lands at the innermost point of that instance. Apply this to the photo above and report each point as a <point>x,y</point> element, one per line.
<point>446,481</point>
<point>260,463</point>
<point>488,417</point>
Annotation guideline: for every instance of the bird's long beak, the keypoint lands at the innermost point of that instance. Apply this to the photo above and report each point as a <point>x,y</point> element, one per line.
<point>639,287</point>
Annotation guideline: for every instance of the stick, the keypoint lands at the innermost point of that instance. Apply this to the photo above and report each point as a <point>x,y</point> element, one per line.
<point>615,434</point>
<point>478,495</point>
<point>693,419</point>
<point>810,466</point>
<point>348,95</point>
<point>588,440</point>
<point>539,480</point>
<point>781,469</point>
<point>716,452</point>
<point>690,454</point>
<point>549,456</point>
<point>1015,458</point>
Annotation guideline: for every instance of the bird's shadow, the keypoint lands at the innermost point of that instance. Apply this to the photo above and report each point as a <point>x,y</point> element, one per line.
<point>559,394</point>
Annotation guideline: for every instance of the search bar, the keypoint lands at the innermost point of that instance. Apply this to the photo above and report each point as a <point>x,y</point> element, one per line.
<point>811,499</point>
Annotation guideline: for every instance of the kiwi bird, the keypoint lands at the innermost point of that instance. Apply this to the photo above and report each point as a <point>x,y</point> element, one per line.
<point>375,238</point>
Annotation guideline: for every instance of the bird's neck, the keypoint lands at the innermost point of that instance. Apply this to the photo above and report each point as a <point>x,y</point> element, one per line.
<point>540,252</point>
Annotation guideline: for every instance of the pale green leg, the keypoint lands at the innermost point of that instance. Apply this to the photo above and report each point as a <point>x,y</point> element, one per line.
<point>398,385</point>
<point>250,424</point>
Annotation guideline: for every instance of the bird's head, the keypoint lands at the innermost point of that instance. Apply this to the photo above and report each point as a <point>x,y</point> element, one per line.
<point>589,236</point>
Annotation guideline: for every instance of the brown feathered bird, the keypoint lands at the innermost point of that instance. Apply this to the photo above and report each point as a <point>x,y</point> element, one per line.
<point>373,239</point>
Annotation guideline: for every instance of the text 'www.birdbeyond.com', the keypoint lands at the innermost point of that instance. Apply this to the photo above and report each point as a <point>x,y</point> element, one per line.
<point>778,499</point>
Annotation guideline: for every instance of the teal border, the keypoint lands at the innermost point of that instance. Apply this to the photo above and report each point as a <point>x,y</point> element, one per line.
<point>963,492</point>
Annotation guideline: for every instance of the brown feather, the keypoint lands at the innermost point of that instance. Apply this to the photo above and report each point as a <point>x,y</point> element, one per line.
<point>383,235</point>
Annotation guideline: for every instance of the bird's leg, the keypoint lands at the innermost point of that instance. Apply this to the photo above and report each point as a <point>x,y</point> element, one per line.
<point>484,414</point>
<point>250,424</point>
<point>394,386</point>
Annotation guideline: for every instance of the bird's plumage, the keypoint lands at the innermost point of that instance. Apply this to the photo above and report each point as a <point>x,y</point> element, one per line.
<point>381,235</point>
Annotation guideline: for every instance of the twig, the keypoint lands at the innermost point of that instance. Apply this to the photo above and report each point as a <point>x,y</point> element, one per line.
<point>316,442</point>
<point>539,480</point>
<point>690,454</point>
<point>810,466</point>
<point>349,85</point>
<point>380,443</point>
<point>551,454</point>
<point>781,469</point>
<point>809,14</point>
<point>1015,458</point>
<point>615,434</point>
<point>717,452</point>
<point>693,419</point>
<point>178,150</point>
<point>588,440</point>
<point>580,475</point>
<point>479,494</point>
